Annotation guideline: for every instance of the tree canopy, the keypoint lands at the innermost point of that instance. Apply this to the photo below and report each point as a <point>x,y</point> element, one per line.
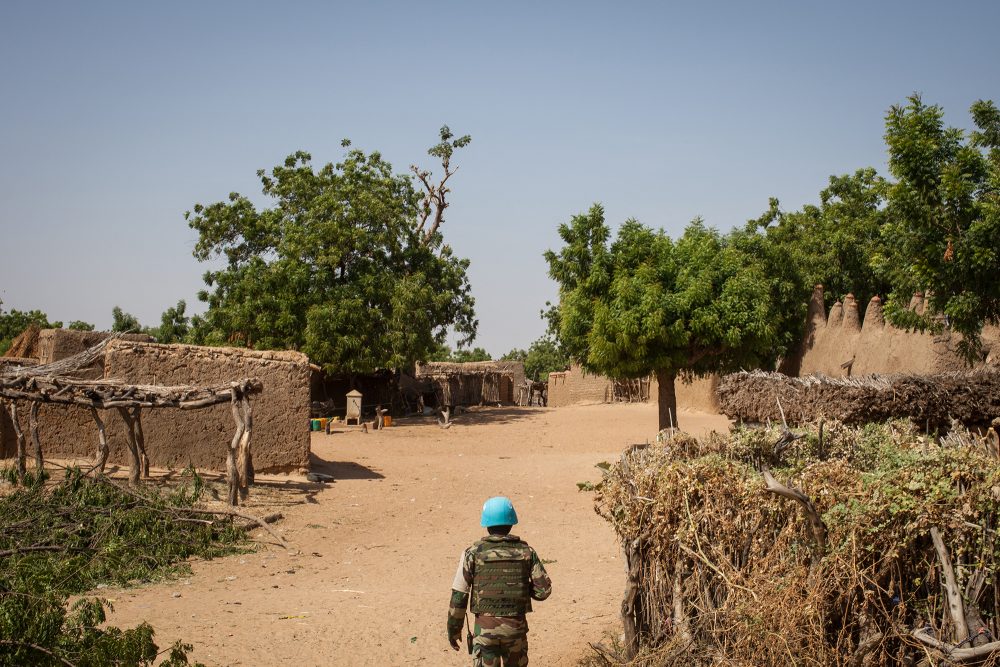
<point>460,355</point>
<point>833,243</point>
<point>122,321</point>
<point>646,303</point>
<point>348,264</point>
<point>943,220</point>
<point>174,324</point>
<point>545,355</point>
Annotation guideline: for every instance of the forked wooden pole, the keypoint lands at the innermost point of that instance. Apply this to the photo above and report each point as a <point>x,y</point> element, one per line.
<point>140,440</point>
<point>232,467</point>
<point>136,467</point>
<point>102,443</point>
<point>22,467</point>
<point>35,439</point>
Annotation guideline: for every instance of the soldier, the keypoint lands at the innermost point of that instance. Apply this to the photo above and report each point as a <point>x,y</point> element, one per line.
<point>503,574</point>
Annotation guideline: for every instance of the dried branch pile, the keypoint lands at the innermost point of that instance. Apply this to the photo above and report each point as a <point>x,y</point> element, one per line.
<point>881,551</point>
<point>930,401</point>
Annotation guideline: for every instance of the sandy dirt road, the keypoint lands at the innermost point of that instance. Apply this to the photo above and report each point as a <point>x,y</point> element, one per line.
<point>367,578</point>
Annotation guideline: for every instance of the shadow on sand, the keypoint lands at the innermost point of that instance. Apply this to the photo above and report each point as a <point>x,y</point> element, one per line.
<point>476,416</point>
<point>342,469</point>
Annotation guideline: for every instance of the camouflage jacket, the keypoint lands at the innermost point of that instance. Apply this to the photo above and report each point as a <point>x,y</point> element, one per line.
<point>540,586</point>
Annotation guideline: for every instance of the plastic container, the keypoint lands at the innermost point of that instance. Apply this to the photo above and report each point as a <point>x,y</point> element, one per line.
<point>314,425</point>
<point>386,420</point>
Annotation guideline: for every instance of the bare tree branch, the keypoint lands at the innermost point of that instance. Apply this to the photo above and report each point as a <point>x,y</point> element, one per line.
<point>955,606</point>
<point>815,522</point>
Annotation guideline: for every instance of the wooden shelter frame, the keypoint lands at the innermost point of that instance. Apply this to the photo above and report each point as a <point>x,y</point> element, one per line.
<point>55,383</point>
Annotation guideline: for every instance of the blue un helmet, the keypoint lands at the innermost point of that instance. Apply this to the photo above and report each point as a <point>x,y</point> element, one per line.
<point>498,511</point>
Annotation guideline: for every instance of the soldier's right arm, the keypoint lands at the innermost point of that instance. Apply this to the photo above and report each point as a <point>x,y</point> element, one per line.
<point>459,598</point>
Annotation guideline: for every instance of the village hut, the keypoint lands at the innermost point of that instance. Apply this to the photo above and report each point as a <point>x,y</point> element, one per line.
<point>473,382</point>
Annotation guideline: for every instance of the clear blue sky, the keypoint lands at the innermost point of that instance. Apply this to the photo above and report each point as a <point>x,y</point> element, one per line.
<point>115,118</point>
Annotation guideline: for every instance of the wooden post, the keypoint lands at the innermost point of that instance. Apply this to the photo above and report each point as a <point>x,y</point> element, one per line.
<point>244,462</point>
<point>136,468</point>
<point>140,440</point>
<point>22,467</point>
<point>102,444</point>
<point>232,471</point>
<point>35,440</point>
<point>631,604</point>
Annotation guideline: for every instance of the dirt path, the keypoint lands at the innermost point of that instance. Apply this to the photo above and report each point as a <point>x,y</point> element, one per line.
<point>367,579</point>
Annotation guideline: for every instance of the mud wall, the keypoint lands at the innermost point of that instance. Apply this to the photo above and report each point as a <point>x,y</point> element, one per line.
<point>577,386</point>
<point>175,438</point>
<point>842,343</point>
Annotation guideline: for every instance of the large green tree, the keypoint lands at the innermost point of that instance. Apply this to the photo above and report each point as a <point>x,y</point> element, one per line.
<point>648,304</point>
<point>943,220</point>
<point>347,264</point>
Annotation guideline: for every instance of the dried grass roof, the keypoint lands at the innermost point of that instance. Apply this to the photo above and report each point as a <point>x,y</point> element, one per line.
<point>971,397</point>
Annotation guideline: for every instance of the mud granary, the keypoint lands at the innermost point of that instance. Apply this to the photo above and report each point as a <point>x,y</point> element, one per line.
<point>174,438</point>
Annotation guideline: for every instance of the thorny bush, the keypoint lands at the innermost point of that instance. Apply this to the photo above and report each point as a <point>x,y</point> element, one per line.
<point>63,539</point>
<point>728,573</point>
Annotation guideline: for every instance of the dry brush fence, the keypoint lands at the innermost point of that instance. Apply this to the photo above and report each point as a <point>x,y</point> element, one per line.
<point>55,383</point>
<point>930,401</point>
<point>876,546</point>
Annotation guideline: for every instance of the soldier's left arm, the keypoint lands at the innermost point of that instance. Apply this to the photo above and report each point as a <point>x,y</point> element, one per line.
<point>541,585</point>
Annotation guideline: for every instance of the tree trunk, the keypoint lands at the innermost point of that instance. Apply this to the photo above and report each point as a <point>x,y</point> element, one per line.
<point>667,398</point>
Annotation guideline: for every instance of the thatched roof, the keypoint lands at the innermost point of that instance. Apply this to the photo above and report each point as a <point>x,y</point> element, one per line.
<point>23,347</point>
<point>442,369</point>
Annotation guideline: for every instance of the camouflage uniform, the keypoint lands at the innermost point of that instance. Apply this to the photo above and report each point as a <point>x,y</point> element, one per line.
<point>510,576</point>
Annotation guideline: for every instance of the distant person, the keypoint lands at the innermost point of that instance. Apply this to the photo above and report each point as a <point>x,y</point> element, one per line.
<point>503,575</point>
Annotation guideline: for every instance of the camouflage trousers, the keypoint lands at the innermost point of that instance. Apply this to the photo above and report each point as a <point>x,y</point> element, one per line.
<point>500,641</point>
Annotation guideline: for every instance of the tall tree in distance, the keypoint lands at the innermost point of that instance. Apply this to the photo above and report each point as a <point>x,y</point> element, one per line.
<point>80,325</point>
<point>348,264</point>
<point>174,324</point>
<point>124,322</point>
<point>943,220</point>
<point>647,304</point>
<point>542,357</point>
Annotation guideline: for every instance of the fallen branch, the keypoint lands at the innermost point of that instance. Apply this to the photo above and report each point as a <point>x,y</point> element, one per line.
<point>819,530</point>
<point>36,647</point>
<point>955,606</point>
<point>50,547</point>
<point>952,652</point>
<point>249,517</point>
